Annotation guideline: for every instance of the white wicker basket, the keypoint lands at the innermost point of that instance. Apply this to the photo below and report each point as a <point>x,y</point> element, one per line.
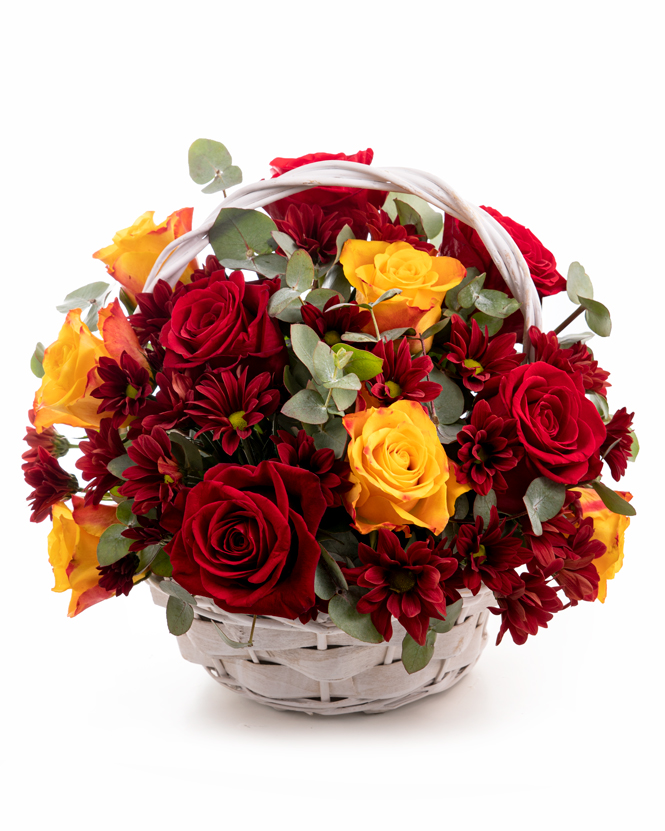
<point>315,667</point>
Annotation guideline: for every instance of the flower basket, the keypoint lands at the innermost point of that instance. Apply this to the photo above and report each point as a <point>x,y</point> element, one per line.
<point>331,471</point>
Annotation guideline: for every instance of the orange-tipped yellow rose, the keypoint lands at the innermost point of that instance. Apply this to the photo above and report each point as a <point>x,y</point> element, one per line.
<point>399,470</point>
<point>610,529</point>
<point>374,267</point>
<point>131,256</point>
<point>72,551</point>
<point>62,397</point>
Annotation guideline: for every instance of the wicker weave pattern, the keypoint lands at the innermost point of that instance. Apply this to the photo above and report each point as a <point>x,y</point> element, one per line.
<point>290,666</point>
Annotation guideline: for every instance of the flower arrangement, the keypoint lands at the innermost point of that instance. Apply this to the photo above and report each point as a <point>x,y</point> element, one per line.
<point>336,413</point>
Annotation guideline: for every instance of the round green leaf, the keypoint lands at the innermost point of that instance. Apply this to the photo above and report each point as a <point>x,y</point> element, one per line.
<point>449,405</point>
<point>112,546</point>
<point>345,616</point>
<point>179,616</point>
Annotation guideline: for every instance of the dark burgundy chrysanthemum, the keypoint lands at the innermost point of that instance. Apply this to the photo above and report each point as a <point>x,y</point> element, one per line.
<point>402,376</point>
<point>477,356</point>
<point>148,532</point>
<point>52,441</point>
<point>50,482</point>
<point>154,478</point>
<point>531,606</point>
<point>490,556</point>
<point>176,391</point>
<point>228,405</point>
<point>119,576</point>
<point>330,325</point>
<point>315,231</point>
<point>576,358</point>
<point>124,388</point>
<point>300,451</point>
<point>408,585</point>
<point>381,227</point>
<point>488,446</point>
<point>102,447</point>
<point>577,575</point>
<point>616,447</point>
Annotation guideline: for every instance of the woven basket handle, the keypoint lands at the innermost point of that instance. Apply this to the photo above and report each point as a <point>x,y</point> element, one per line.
<point>502,248</point>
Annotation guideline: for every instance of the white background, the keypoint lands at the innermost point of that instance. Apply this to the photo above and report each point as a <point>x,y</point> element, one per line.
<point>550,113</point>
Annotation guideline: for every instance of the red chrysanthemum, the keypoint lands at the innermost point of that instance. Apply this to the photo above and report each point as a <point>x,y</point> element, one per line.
<point>402,376</point>
<point>154,478</point>
<point>50,482</point>
<point>487,446</point>
<point>229,405</point>
<point>477,357</point>
<point>574,359</point>
<point>490,556</point>
<point>119,576</point>
<point>330,325</point>
<point>124,388</point>
<point>300,451</point>
<point>529,607</point>
<point>616,447</point>
<point>147,532</point>
<point>577,576</point>
<point>176,391</point>
<point>408,585</point>
<point>52,441</point>
<point>316,231</point>
<point>381,227</point>
<point>102,447</point>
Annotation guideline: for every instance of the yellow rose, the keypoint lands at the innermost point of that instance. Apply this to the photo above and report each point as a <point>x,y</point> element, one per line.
<point>399,471</point>
<point>375,267</point>
<point>131,256</point>
<point>610,529</point>
<point>62,397</point>
<point>72,551</point>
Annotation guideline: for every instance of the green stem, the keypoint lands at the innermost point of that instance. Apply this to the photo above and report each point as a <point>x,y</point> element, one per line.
<point>250,642</point>
<point>376,325</point>
<point>248,451</point>
<point>578,311</point>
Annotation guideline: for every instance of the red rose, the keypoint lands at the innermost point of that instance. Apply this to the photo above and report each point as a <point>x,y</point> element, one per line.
<point>342,201</point>
<point>558,427</point>
<point>247,539</point>
<point>463,243</point>
<point>223,324</point>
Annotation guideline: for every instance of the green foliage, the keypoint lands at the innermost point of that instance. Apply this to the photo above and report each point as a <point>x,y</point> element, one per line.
<point>461,506</point>
<point>285,242</point>
<point>319,297</point>
<point>179,615</point>
<point>449,404</point>
<point>332,435</point>
<point>244,239</point>
<point>452,614</point>
<point>304,341</point>
<point>300,271</point>
<point>597,317</point>
<point>566,341</point>
<point>492,324</point>
<point>124,513</point>
<point>543,499</point>
<point>578,283</point>
<point>451,298</point>
<point>328,577</point>
<point>345,234</point>
<point>343,613</point>
<point>185,452</point>
<point>176,590</point>
<point>600,403</point>
<point>306,406</point>
<point>448,432</point>
<point>468,295</point>
<point>611,499</point>
<point>435,328</point>
<point>89,299</point>
<point>363,364</point>
<point>496,303</point>
<point>210,162</point>
<point>228,641</point>
<point>634,447</point>
<point>119,465</point>
<point>37,361</point>
<point>285,305</point>
<point>161,565</point>
<point>112,546</point>
<point>147,556</point>
<point>416,657</point>
<point>482,506</point>
<point>413,210</point>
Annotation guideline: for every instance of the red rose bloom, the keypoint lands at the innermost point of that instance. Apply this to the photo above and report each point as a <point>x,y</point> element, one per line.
<point>339,200</point>
<point>223,324</point>
<point>408,585</point>
<point>559,428</point>
<point>247,539</point>
<point>577,358</point>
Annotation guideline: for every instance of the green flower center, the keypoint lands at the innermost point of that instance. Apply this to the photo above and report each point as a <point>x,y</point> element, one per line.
<point>332,337</point>
<point>394,389</point>
<point>401,581</point>
<point>169,479</point>
<point>480,554</point>
<point>237,420</point>
<point>477,368</point>
<point>131,392</point>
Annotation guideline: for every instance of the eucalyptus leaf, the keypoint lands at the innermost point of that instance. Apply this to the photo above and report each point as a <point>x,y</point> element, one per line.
<point>300,271</point>
<point>176,590</point>
<point>482,506</point>
<point>345,234</point>
<point>84,296</point>
<point>124,513</point>
<point>119,465</point>
<point>344,398</point>
<point>333,435</point>
<point>597,316</point>
<point>346,382</point>
<point>543,500</point>
<point>634,447</point>
<point>578,282</point>
<point>447,433</point>
<point>185,452</point>
<point>611,499</point>
<point>126,300</point>
<point>358,337</point>
<point>179,616</point>
<point>269,265</point>
<point>37,361</point>
<point>393,334</point>
<point>435,328</point>
<point>600,403</point>
<point>431,220</point>
<point>112,546</point>
<point>161,565</point>
<point>461,506</point>
<point>346,617</point>
<point>496,303</point>
<point>336,281</point>
<point>451,296</point>
<point>468,295</point>
<point>387,295</point>
<point>319,297</point>
<point>492,324</point>
<point>449,404</point>
<point>324,585</point>
<point>333,567</point>
<point>453,611</point>
<point>210,161</point>
<point>147,556</point>
<point>364,364</point>
<point>238,237</point>
<point>304,341</point>
<point>566,341</point>
<point>306,406</point>
<point>285,242</point>
<point>408,215</point>
<point>290,381</point>
<point>323,363</point>
<point>281,300</point>
<point>416,657</point>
